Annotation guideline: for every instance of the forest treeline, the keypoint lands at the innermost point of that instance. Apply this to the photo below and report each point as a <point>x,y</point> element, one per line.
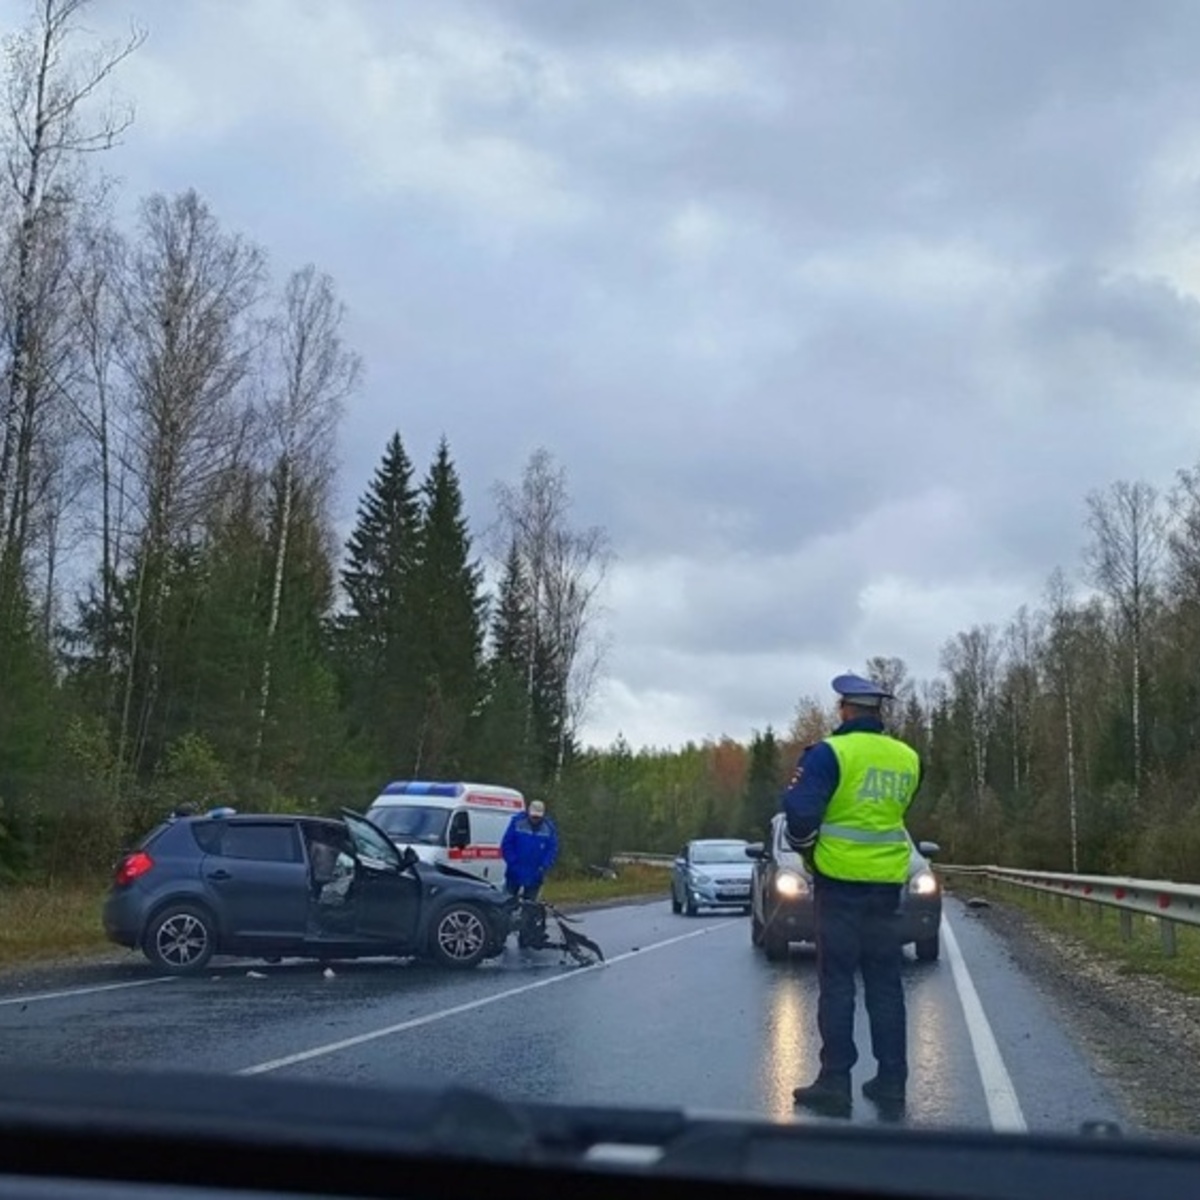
<point>179,619</point>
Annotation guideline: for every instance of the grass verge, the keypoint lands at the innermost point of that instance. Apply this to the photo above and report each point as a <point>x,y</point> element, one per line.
<point>38,922</point>
<point>1099,928</point>
<point>634,880</point>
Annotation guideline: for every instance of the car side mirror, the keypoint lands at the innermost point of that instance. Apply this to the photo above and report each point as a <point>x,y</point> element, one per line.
<point>681,861</point>
<point>756,850</point>
<point>460,838</point>
<point>929,849</point>
<point>408,857</point>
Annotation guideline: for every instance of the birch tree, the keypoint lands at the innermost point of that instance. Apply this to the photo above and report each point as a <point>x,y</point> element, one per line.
<point>315,373</point>
<point>95,283</point>
<point>971,660</point>
<point>51,124</point>
<point>1021,644</point>
<point>1062,647</point>
<point>186,303</point>
<point>1123,558</point>
<point>564,569</point>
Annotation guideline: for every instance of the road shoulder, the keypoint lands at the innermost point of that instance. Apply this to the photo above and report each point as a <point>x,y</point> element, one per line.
<point>1142,1033</point>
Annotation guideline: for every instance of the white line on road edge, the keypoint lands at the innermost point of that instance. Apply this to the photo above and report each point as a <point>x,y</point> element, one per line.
<point>86,991</point>
<point>429,1018</point>
<point>1003,1106</point>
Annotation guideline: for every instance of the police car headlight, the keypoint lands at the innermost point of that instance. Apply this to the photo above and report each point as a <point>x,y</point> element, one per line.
<point>790,885</point>
<point>924,883</point>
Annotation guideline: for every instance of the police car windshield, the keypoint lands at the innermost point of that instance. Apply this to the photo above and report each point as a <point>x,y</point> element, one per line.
<point>406,823</point>
<point>730,852</point>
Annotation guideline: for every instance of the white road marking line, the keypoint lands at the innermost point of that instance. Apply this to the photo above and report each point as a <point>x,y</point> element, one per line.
<point>1003,1106</point>
<point>470,1006</point>
<point>86,991</point>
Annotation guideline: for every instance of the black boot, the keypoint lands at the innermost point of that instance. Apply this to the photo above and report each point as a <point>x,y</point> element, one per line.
<point>888,1094</point>
<point>827,1094</point>
<point>884,1087</point>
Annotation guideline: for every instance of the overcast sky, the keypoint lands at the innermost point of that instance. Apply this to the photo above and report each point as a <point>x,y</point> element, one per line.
<point>832,311</point>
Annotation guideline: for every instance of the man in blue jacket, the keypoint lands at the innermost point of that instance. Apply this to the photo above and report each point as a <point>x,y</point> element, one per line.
<point>530,847</point>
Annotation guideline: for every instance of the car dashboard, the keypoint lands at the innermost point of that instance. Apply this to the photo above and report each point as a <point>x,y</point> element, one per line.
<point>92,1135</point>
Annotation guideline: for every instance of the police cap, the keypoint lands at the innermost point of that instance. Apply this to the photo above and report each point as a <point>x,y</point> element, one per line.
<point>863,692</point>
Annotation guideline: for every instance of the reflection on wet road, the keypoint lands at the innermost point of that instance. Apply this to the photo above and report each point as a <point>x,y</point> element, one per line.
<point>686,1013</point>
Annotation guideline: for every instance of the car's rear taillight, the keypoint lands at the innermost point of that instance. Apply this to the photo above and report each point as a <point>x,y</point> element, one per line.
<point>132,866</point>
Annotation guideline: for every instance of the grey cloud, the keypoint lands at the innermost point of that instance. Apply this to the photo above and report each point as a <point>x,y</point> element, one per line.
<point>914,323</point>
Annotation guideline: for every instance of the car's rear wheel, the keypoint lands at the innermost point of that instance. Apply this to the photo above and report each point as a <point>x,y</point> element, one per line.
<point>775,946</point>
<point>181,939</point>
<point>928,949</point>
<point>459,937</point>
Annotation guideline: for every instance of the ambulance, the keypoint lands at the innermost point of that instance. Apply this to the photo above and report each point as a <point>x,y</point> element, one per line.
<point>458,824</point>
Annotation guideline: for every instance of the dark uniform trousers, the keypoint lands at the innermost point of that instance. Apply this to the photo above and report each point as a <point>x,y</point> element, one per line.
<point>858,929</point>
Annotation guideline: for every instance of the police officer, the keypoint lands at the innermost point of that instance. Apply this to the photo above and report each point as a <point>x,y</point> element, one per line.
<point>845,809</point>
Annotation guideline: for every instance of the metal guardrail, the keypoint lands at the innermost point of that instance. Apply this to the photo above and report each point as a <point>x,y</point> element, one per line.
<point>1170,904</point>
<point>647,860</point>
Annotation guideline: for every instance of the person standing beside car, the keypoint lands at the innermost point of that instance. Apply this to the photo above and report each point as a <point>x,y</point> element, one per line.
<point>529,848</point>
<point>845,806</point>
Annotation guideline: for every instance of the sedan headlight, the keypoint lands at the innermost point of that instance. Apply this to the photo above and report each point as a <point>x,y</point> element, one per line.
<point>924,883</point>
<point>700,879</point>
<point>790,885</point>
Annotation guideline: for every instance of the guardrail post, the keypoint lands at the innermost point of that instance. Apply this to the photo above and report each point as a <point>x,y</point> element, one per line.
<point>1126,924</point>
<point>1167,930</point>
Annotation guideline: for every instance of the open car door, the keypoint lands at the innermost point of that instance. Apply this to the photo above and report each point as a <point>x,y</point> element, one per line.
<point>387,892</point>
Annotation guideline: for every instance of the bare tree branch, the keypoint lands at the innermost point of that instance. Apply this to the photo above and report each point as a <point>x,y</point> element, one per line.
<point>1124,559</point>
<point>47,89</point>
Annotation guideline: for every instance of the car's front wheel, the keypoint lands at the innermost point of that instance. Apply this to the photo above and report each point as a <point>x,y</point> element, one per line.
<point>181,939</point>
<point>676,907</point>
<point>756,929</point>
<point>775,946</point>
<point>459,937</point>
<point>928,949</point>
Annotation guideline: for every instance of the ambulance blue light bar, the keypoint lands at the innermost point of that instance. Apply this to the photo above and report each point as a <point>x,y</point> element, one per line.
<point>406,787</point>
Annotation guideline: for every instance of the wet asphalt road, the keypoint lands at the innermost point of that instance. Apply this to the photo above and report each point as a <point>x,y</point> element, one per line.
<point>686,1013</point>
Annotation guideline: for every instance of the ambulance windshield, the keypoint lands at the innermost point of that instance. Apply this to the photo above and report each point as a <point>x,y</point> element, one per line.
<point>413,823</point>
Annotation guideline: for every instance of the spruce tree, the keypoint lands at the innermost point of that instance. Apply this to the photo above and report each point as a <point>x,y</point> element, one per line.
<point>502,738</point>
<point>449,609</point>
<point>377,635</point>
<point>511,624</point>
<point>762,783</point>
